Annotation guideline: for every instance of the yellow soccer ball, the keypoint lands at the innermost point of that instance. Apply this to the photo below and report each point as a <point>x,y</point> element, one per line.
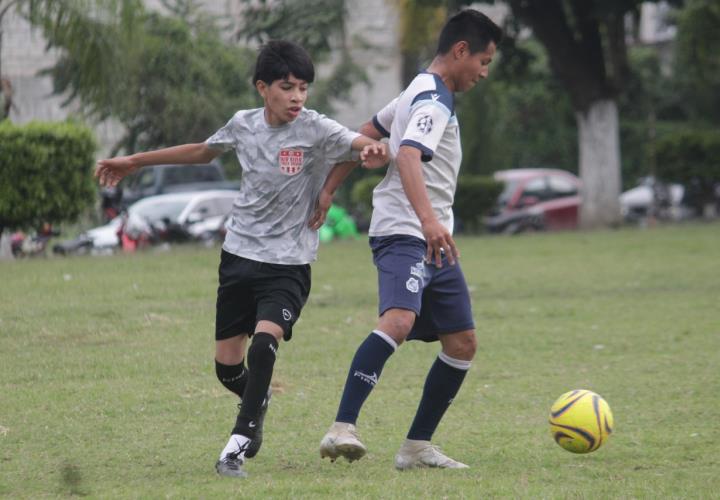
<point>580,421</point>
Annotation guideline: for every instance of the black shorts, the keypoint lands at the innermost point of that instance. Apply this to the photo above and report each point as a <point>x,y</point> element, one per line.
<point>252,291</point>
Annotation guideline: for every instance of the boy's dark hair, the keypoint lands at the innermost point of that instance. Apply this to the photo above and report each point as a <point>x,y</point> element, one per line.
<point>279,58</point>
<point>470,26</point>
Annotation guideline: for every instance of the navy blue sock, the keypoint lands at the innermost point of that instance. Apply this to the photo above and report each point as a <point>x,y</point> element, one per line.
<point>441,385</point>
<point>364,373</point>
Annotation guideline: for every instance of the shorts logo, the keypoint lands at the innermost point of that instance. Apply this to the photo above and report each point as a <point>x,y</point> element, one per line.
<point>291,161</point>
<point>418,270</point>
<point>287,315</point>
<point>424,124</point>
<point>412,285</point>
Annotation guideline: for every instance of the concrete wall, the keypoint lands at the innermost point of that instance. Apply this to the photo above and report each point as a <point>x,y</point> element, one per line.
<point>24,54</point>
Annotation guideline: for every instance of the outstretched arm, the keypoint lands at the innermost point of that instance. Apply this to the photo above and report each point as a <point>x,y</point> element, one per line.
<point>111,171</point>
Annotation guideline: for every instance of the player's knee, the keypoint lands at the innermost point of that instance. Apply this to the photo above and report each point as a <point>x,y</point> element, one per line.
<point>461,345</point>
<point>397,323</point>
<point>263,350</point>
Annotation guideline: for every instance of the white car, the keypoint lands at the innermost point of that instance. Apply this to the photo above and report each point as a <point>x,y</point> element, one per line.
<point>666,199</point>
<point>196,215</point>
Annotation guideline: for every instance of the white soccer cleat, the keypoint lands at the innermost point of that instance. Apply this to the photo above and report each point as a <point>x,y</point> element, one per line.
<point>232,457</point>
<point>417,454</point>
<point>342,441</point>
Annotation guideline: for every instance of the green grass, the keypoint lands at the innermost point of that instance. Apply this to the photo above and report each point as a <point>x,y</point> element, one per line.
<point>107,386</point>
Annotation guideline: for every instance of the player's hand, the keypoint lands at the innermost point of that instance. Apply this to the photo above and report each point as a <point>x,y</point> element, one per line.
<point>321,209</point>
<point>439,240</point>
<point>374,155</point>
<point>111,171</point>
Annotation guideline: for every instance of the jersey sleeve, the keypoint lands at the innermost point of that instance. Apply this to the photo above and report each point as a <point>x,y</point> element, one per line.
<point>382,121</point>
<point>337,139</point>
<point>224,139</point>
<point>429,115</point>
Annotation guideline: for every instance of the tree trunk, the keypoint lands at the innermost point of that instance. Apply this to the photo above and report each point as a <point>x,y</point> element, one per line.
<point>5,245</point>
<point>599,141</point>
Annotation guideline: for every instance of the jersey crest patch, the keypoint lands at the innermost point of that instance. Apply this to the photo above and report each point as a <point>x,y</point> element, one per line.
<point>291,161</point>
<point>424,124</point>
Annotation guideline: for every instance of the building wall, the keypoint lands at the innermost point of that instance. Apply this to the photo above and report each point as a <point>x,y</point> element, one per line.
<point>24,54</point>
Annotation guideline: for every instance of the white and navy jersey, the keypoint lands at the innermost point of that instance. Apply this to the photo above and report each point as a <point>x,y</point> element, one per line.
<point>422,116</point>
<point>283,171</point>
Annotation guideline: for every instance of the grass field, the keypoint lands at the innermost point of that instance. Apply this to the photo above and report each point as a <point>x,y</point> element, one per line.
<point>107,386</point>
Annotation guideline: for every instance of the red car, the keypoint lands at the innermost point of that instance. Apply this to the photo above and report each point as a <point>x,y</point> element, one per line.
<point>535,199</point>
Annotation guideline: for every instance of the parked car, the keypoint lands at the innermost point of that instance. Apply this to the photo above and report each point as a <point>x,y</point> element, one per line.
<point>535,199</point>
<point>652,198</point>
<point>177,217</point>
<point>162,179</point>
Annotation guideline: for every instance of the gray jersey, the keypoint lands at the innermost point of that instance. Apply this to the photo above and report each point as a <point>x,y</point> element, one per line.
<point>284,169</point>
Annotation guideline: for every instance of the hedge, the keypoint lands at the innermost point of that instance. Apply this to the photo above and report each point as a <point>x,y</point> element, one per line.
<point>45,173</point>
<point>691,158</point>
<point>474,197</point>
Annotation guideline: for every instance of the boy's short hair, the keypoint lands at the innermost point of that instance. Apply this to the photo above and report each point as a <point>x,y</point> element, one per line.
<point>470,26</point>
<point>279,58</point>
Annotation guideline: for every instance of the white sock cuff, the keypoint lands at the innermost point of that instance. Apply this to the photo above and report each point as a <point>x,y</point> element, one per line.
<point>455,363</point>
<point>387,338</point>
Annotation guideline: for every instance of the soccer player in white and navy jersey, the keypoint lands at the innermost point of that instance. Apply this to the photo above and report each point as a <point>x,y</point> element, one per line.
<point>286,153</point>
<point>422,290</point>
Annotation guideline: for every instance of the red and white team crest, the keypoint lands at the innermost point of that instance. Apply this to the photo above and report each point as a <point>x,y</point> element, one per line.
<point>291,161</point>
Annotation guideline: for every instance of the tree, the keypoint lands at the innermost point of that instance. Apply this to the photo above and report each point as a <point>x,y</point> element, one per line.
<point>698,45</point>
<point>506,120</point>
<point>420,23</point>
<point>6,89</point>
<point>319,26</point>
<point>173,83</point>
<point>169,80</point>
<point>585,42</point>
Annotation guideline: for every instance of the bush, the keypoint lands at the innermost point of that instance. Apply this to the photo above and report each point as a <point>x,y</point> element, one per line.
<point>45,173</point>
<point>362,192</point>
<point>474,197</point>
<point>691,158</point>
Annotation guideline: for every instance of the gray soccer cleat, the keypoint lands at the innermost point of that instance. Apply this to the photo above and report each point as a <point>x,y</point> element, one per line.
<point>417,454</point>
<point>342,441</point>
<point>232,457</point>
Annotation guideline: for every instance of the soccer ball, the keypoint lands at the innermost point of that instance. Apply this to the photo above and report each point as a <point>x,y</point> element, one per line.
<point>580,421</point>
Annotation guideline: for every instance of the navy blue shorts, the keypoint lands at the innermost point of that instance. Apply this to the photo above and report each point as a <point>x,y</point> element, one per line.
<point>439,297</point>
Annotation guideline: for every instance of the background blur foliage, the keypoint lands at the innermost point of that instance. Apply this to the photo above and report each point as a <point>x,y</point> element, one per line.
<point>320,27</point>
<point>176,78</point>
<point>45,173</point>
<point>519,117</point>
<point>167,79</point>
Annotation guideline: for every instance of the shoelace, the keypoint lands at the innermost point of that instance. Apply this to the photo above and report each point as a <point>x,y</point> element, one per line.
<point>439,455</point>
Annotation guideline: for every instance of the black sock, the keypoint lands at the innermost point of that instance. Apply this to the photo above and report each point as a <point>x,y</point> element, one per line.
<point>233,377</point>
<point>261,360</point>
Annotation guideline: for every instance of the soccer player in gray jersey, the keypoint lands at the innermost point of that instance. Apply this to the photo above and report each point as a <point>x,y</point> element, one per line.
<point>422,290</point>
<point>287,153</point>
